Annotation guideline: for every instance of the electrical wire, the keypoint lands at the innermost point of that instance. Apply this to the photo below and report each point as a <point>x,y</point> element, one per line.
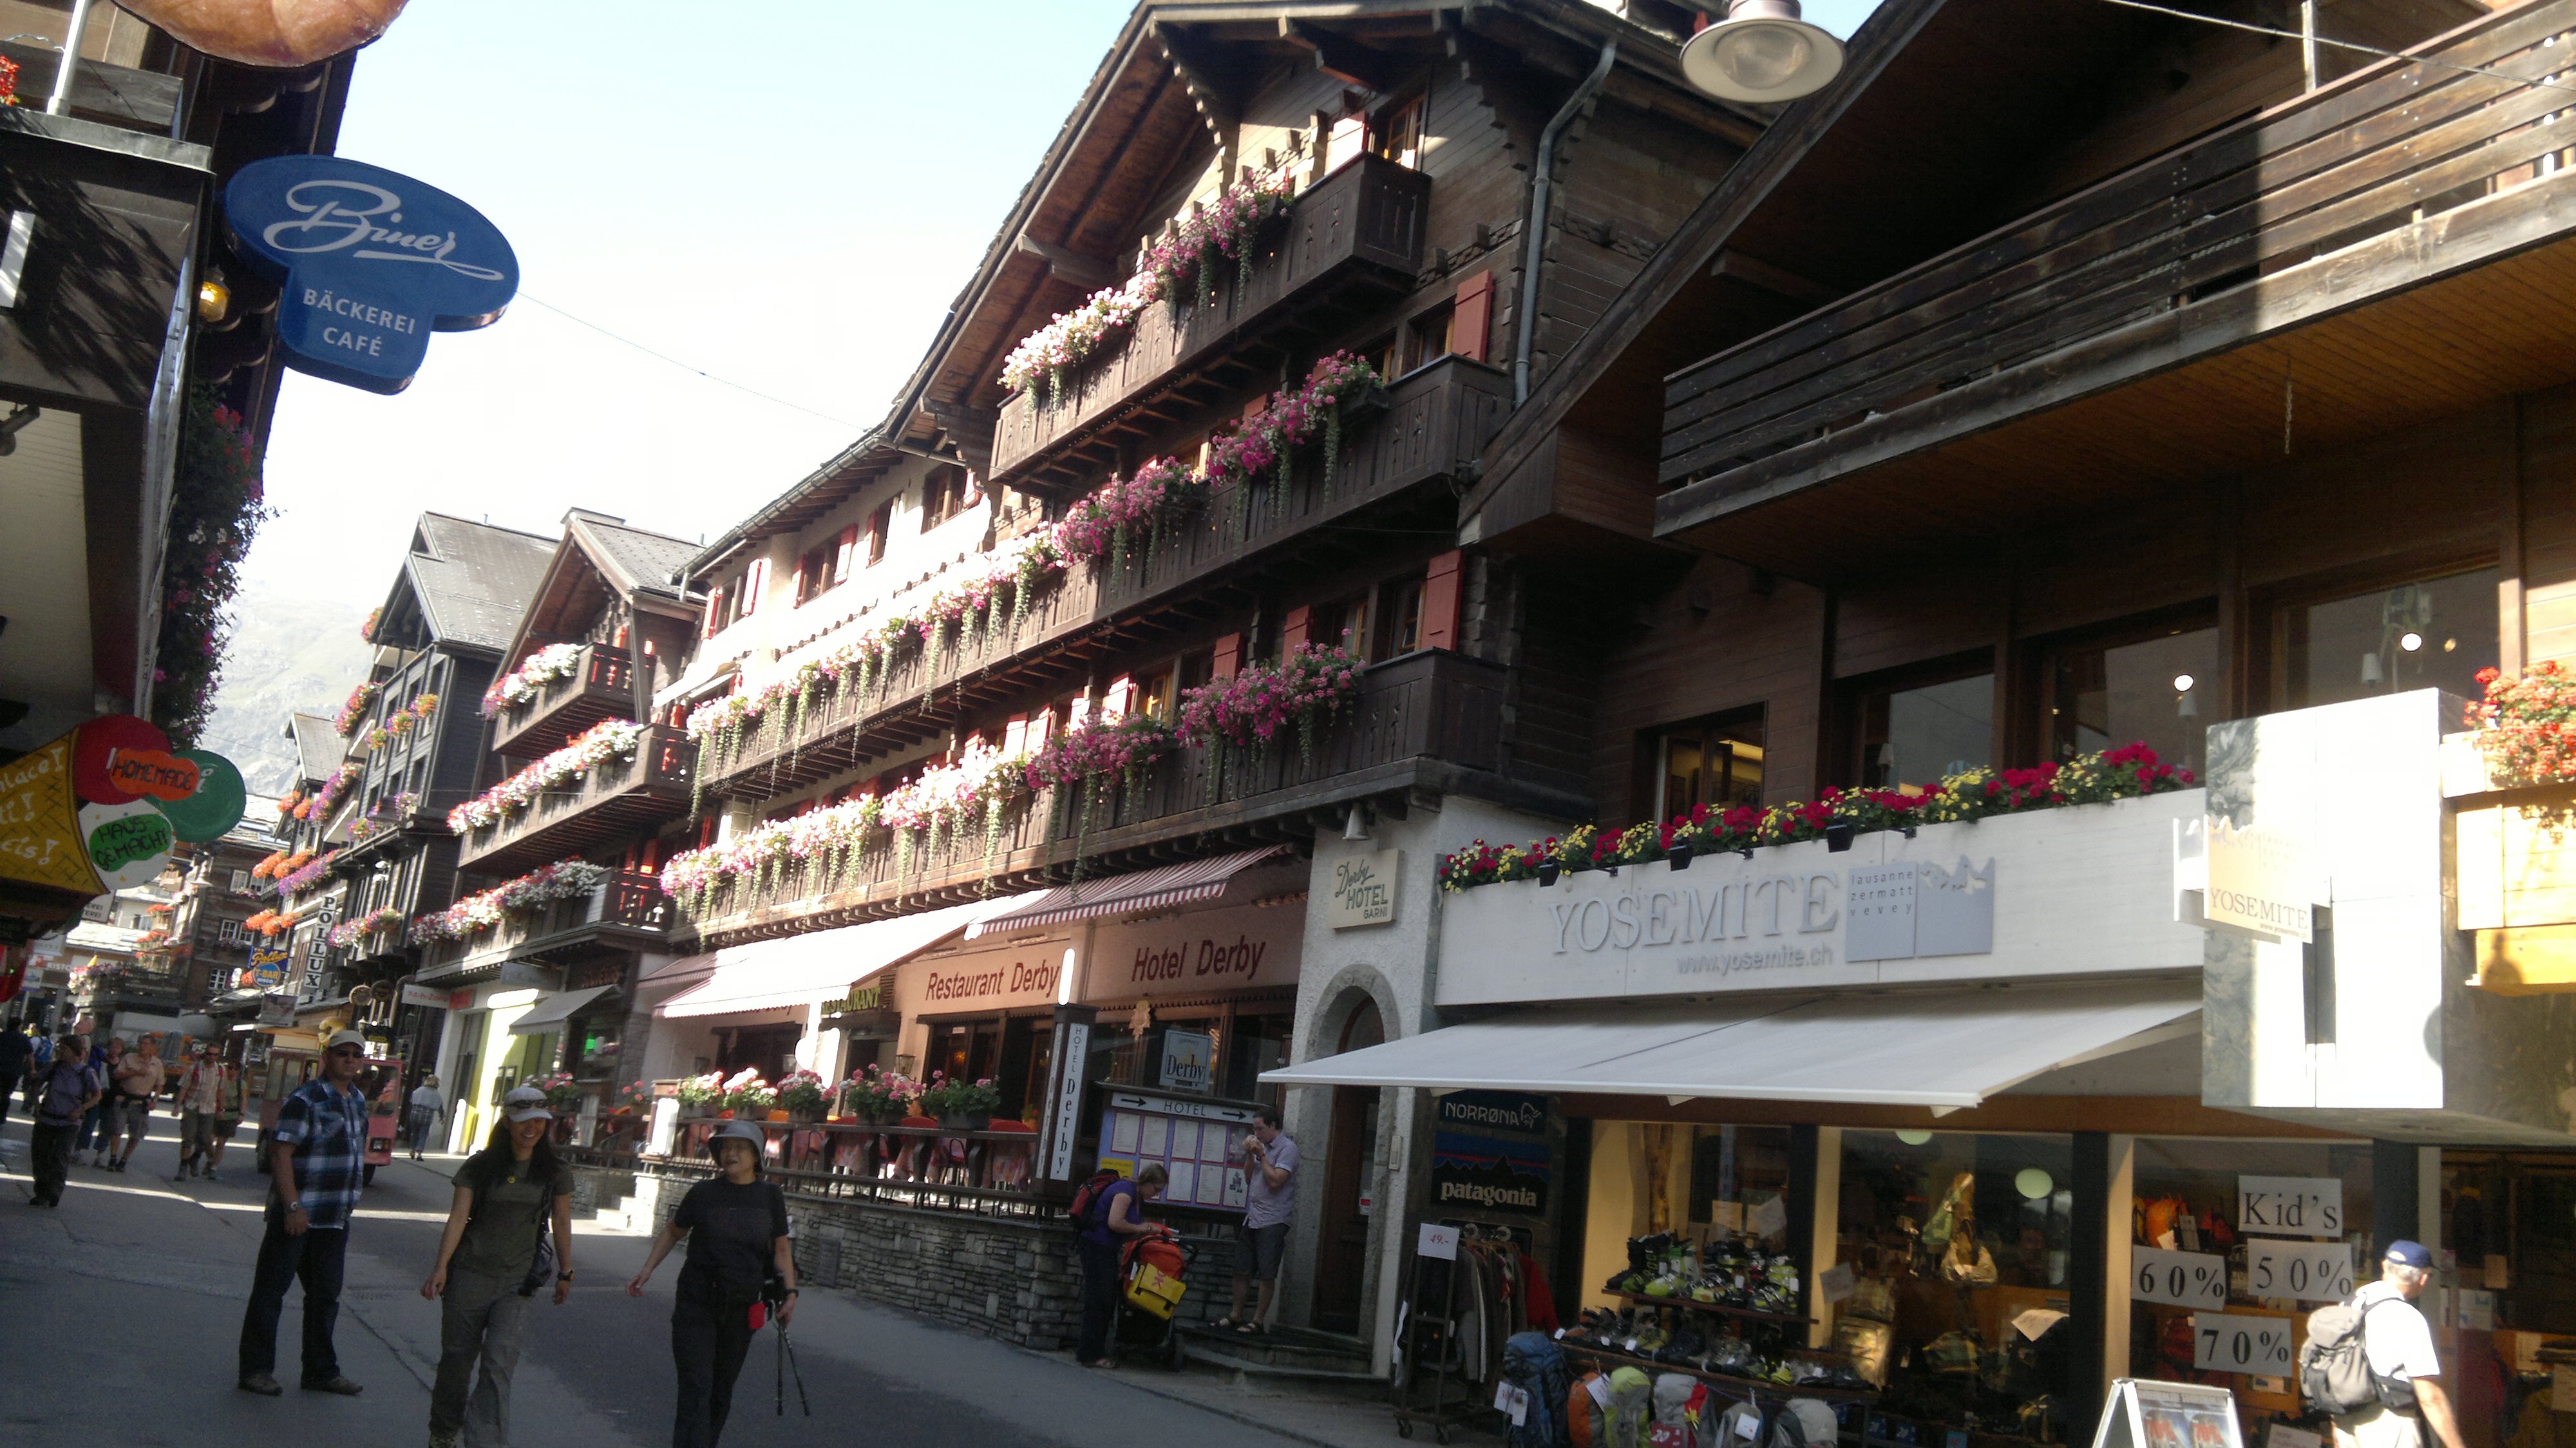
<point>2355,46</point>
<point>686,367</point>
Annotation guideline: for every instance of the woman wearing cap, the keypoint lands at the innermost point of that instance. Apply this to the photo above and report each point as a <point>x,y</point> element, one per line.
<point>491,1261</point>
<point>736,1225</point>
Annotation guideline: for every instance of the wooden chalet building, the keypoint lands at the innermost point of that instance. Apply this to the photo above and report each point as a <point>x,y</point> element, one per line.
<point>581,782</point>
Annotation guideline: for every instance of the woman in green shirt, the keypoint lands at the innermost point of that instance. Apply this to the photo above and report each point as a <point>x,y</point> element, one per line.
<point>490,1266</point>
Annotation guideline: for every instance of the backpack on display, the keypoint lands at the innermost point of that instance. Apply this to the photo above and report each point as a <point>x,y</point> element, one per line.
<point>1086,1198</point>
<point>2335,1377</point>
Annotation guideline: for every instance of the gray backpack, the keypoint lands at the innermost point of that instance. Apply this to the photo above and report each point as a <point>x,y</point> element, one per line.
<point>2334,1368</point>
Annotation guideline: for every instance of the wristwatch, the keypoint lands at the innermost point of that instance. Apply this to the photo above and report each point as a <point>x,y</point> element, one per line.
<point>563,1277</point>
<point>295,1206</point>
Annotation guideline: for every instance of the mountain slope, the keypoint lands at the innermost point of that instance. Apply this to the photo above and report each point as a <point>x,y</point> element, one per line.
<point>286,653</point>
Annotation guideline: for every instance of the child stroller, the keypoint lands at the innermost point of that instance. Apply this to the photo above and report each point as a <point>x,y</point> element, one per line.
<point>1151,1283</point>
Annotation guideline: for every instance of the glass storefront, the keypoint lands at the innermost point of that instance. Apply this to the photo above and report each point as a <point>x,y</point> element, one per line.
<point>1924,735</point>
<point>2435,634</point>
<point>2159,689</point>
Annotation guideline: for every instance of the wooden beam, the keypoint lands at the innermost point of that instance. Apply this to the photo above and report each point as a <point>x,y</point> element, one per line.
<point>1090,273</point>
<point>1754,272</point>
<point>1344,59</point>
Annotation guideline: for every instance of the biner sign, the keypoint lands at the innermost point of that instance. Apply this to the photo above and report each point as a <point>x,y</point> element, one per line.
<point>368,263</point>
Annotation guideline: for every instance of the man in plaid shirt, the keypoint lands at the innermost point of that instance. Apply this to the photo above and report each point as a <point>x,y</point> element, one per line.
<point>316,1166</point>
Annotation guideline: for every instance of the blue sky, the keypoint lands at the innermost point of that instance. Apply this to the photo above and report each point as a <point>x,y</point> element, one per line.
<point>788,199</point>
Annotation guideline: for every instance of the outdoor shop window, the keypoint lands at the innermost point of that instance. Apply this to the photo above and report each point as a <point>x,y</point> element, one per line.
<point>2433,634</point>
<point>1713,764</point>
<point>1958,1245</point>
<point>1922,733</point>
<point>2195,1235</point>
<point>2158,687</point>
<point>1259,1043</point>
<point>2509,1219</point>
<point>964,1050</point>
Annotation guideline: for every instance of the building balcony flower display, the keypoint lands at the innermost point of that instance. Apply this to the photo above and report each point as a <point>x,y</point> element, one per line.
<point>215,510</point>
<point>354,711</point>
<point>2128,772</point>
<point>982,785</point>
<point>269,924</point>
<point>747,1095</point>
<point>1097,754</point>
<point>562,1092</point>
<point>879,1095</point>
<point>606,740</point>
<point>287,802</point>
<point>554,661</point>
<point>2527,725</point>
<point>635,1096</point>
<point>303,871</point>
<point>486,909</point>
<point>327,798</point>
<point>801,1093</point>
<point>388,814</point>
<point>1227,229</point>
<point>349,932</point>
<point>271,867</point>
<point>367,630</point>
<point>701,1091</point>
<point>958,1102</point>
<point>1262,700</point>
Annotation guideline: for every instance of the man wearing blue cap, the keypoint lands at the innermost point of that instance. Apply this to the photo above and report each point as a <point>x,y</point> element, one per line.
<point>2399,1343</point>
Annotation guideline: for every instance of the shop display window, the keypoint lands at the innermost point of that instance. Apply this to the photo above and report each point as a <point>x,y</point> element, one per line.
<point>1958,1247</point>
<point>2192,1238</point>
<point>2159,689</point>
<point>2509,1222</point>
<point>2433,634</point>
<point>1260,1043</point>
<point>1925,734</point>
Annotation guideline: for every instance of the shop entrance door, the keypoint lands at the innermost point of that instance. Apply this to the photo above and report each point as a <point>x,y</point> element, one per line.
<point>1341,1254</point>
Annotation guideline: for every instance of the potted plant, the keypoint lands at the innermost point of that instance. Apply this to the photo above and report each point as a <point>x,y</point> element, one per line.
<point>700,1093</point>
<point>801,1093</point>
<point>960,1105</point>
<point>561,1094</point>
<point>748,1097</point>
<point>633,1098</point>
<point>879,1097</point>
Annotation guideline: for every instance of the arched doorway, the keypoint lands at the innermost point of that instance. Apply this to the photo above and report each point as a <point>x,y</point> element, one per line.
<point>1341,1253</point>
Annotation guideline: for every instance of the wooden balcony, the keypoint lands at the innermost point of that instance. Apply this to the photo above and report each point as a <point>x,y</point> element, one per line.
<point>1435,421</point>
<point>619,797</point>
<point>1430,719</point>
<point>2079,355</point>
<point>629,912</point>
<point>601,686</point>
<point>1353,238</point>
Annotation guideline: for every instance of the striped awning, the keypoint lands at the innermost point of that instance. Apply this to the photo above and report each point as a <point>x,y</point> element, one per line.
<point>1119,894</point>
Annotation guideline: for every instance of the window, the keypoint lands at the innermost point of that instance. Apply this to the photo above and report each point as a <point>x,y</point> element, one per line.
<point>2435,634</point>
<point>1926,733</point>
<point>814,572</point>
<point>241,882</point>
<point>1396,133</point>
<point>1707,764</point>
<point>1399,619</point>
<point>1426,337</point>
<point>1340,623</point>
<point>2154,689</point>
<point>880,523</point>
<point>1154,693</point>
<point>944,495</point>
<point>228,932</point>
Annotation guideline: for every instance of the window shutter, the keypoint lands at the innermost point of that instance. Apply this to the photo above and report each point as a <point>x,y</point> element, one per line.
<point>1440,601</point>
<point>1471,322</point>
<point>1229,657</point>
<point>755,582</point>
<point>842,549</point>
<point>715,613</point>
<point>1292,632</point>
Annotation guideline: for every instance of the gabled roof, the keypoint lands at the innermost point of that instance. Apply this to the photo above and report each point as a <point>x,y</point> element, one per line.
<point>599,557</point>
<point>318,746</point>
<point>634,560</point>
<point>471,581</point>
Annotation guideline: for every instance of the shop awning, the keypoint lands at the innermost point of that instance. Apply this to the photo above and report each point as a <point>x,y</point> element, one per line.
<point>550,1013</point>
<point>1938,1048</point>
<point>1118,894</point>
<point>805,968</point>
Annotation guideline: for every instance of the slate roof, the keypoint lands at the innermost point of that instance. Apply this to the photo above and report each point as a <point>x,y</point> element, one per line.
<point>648,560</point>
<point>473,580</point>
<point>318,747</point>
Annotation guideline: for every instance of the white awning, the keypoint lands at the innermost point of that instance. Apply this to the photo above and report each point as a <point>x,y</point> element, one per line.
<point>1118,894</point>
<point>550,1013</point>
<point>803,969</point>
<point>1938,1048</point>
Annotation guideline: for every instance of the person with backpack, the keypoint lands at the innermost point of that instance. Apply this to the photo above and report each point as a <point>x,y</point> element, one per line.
<point>98,1127</point>
<point>314,1159</point>
<point>139,1078</point>
<point>741,1258</point>
<point>70,1087</point>
<point>493,1259</point>
<point>2370,1364</point>
<point>1105,1212</point>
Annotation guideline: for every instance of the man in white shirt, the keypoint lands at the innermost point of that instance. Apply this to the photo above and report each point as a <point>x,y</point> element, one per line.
<point>426,1104</point>
<point>2400,1346</point>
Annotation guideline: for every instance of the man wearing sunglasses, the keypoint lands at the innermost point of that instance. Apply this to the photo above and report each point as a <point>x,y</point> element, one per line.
<point>316,1158</point>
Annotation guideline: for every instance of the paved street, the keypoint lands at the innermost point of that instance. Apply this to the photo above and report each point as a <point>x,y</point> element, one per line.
<point>125,1307</point>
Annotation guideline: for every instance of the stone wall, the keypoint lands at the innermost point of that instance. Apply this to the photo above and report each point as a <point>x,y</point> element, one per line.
<point>1014,1279</point>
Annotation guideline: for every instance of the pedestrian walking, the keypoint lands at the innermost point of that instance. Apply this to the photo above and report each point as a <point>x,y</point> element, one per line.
<point>1115,1214</point>
<point>71,1086</point>
<point>36,1068</point>
<point>427,1105</point>
<point>740,1253</point>
<point>98,1128</point>
<point>495,1256</point>
<point>314,1157</point>
<point>17,1054</point>
<point>2399,1343</point>
<point>202,1095</point>
<point>1270,1172</point>
<point>139,1078</point>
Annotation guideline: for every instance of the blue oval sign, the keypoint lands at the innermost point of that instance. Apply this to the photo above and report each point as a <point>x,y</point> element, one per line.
<point>369,263</point>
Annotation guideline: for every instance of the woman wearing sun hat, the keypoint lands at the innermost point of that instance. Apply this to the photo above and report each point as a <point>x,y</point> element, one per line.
<point>492,1260</point>
<point>737,1229</point>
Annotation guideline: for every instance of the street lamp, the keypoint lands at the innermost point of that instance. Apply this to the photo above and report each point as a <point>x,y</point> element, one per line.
<point>1762,52</point>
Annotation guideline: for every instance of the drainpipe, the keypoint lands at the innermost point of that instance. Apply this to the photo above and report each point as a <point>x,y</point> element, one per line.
<point>62,97</point>
<point>1534,235</point>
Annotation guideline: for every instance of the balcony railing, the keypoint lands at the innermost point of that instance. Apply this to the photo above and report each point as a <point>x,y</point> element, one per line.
<point>1419,720</point>
<point>1357,231</point>
<point>1933,352</point>
<point>601,686</point>
<point>616,797</point>
<point>983,1173</point>
<point>629,910</point>
<point>1435,421</point>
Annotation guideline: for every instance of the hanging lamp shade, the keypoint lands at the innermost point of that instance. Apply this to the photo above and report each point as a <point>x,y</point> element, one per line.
<point>1762,52</point>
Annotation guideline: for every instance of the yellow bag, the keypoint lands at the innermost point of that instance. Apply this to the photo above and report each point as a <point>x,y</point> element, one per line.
<point>1151,1289</point>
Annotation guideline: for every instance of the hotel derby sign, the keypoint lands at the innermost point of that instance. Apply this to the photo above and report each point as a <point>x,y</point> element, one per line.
<point>2066,892</point>
<point>368,264</point>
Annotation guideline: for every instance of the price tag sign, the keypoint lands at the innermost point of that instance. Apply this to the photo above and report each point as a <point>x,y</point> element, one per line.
<point>1836,1281</point>
<point>1512,1403</point>
<point>2308,1271</point>
<point>2290,1206</point>
<point>2184,1279</point>
<point>1438,1241</point>
<point>2232,1344</point>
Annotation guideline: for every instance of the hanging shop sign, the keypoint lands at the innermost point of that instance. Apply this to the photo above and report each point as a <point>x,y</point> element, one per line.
<point>1998,898</point>
<point>871,994</point>
<point>1517,1113</point>
<point>1189,1060</point>
<point>1489,1173</point>
<point>1363,890</point>
<point>2259,884</point>
<point>368,263</point>
<point>267,968</point>
<point>1196,952</point>
<point>986,980</point>
<point>427,997</point>
<point>99,808</point>
<point>2290,1206</point>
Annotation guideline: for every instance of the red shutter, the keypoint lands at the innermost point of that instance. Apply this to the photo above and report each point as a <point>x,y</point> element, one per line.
<point>1471,321</point>
<point>1440,602</point>
<point>755,582</point>
<point>1292,634</point>
<point>715,613</point>
<point>1229,657</point>
<point>798,594</point>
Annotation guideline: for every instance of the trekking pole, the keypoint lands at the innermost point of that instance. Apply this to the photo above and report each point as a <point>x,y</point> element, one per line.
<point>787,1359</point>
